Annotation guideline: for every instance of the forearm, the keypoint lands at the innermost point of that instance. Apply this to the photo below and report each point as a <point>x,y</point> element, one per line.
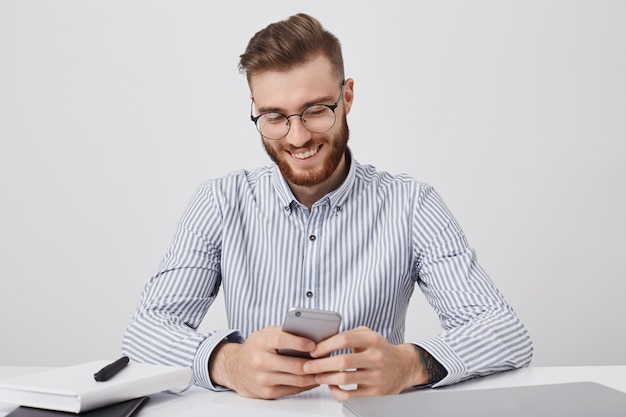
<point>219,363</point>
<point>493,343</point>
<point>152,340</point>
<point>158,338</point>
<point>164,327</point>
<point>431,371</point>
<point>418,368</point>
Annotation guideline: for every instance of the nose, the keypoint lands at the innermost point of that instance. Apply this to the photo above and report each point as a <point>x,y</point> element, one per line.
<point>298,135</point>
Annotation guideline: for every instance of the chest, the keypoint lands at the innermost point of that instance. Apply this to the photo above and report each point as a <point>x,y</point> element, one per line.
<point>329,259</point>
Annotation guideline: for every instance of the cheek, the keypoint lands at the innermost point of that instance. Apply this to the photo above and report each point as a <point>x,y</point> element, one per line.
<point>273,150</point>
<point>268,144</point>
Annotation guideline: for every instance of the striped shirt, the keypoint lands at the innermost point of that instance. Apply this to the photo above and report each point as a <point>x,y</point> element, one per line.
<point>360,251</point>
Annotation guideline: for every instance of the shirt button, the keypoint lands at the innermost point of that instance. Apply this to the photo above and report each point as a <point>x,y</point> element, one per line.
<point>312,238</point>
<point>309,294</point>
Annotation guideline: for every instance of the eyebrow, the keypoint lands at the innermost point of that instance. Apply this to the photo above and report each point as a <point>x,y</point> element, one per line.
<point>320,100</point>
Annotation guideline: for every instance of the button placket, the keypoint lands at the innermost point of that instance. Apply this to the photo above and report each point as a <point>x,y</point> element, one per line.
<point>312,253</point>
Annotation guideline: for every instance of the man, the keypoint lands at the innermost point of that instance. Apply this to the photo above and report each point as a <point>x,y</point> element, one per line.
<point>319,230</point>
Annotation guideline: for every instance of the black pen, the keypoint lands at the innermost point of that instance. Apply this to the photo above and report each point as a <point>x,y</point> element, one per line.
<point>111,369</point>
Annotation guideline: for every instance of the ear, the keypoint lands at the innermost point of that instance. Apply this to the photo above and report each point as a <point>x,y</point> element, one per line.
<point>348,94</point>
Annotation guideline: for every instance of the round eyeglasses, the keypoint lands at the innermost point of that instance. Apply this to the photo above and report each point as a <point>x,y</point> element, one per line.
<point>317,118</point>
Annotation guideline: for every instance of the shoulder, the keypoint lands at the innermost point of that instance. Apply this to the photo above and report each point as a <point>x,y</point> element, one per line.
<point>237,188</point>
<point>239,181</point>
<point>369,177</point>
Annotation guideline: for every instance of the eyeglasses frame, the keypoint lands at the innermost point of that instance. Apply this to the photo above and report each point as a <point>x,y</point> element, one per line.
<point>332,107</point>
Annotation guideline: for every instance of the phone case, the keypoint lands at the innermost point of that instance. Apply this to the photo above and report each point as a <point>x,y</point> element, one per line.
<point>316,325</point>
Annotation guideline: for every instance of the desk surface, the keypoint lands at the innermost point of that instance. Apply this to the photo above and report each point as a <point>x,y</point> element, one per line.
<point>319,402</point>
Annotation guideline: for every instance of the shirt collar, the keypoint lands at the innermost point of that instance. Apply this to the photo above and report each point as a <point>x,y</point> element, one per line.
<point>335,198</point>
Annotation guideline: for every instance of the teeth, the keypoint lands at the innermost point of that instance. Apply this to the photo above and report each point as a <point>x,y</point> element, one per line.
<point>305,155</point>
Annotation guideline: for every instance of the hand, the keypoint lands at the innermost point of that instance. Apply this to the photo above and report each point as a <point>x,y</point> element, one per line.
<point>255,369</point>
<point>376,366</point>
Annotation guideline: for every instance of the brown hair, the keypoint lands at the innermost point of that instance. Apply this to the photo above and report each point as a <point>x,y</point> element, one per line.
<point>289,43</point>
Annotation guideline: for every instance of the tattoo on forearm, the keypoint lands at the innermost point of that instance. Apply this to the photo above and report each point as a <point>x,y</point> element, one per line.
<point>436,372</point>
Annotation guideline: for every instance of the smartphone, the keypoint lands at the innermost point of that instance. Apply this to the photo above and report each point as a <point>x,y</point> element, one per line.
<point>313,324</point>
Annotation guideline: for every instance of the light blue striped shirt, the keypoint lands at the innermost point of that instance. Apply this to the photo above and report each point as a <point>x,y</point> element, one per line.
<point>359,251</point>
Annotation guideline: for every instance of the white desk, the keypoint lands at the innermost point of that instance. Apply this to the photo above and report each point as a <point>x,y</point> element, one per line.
<point>319,402</point>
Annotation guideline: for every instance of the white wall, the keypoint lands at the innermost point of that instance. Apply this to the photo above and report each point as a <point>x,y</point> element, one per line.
<point>112,112</point>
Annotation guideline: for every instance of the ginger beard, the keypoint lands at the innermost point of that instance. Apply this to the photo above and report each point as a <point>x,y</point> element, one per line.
<point>337,143</point>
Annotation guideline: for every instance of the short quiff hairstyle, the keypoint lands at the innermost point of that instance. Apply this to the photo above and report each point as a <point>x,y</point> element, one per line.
<point>290,43</point>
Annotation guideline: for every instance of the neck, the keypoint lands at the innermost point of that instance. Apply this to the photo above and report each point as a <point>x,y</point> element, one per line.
<point>309,195</point>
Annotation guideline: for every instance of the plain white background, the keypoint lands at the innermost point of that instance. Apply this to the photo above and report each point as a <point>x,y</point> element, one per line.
<point>112,112</point>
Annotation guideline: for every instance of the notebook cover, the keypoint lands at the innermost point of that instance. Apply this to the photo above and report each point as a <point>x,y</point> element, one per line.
<point>74,389</point>
<point>122,409</point>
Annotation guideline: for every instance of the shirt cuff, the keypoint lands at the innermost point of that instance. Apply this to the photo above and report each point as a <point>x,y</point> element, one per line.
<point>447,357</point>
<point>203,355</point>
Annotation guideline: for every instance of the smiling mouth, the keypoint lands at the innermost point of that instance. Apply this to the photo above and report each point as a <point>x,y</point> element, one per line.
<point>306,154</point>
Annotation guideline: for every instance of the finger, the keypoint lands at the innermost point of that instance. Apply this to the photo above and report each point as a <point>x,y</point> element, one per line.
<point>343,394</point>
<point>288,341</point>
<point>343,378</point>
<point>335,363</point>
<point>292,380</point>
<point>355,339</point>
<point>271,369</point>
<point>274,391</point>
<point>283,364</point>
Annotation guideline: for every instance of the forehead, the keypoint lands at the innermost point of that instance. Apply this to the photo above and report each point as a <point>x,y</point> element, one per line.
<point>309,82</point>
